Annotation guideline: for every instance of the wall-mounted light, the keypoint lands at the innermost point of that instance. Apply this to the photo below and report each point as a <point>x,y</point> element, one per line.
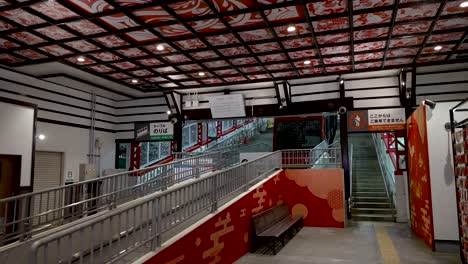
<point>168,112</point>
<point>41,137</point>
<point>341,81</point>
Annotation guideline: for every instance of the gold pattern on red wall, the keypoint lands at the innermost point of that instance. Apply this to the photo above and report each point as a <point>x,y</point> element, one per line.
<point>260,195</point>
<point>218,246</point>
<point>176,260</point>
<point>198,242</point>
<point>243,212</point>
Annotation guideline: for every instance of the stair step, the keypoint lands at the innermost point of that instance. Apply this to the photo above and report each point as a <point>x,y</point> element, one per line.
<point>370,194</point>
<point>371,199</point>
<point>371,205</point>
<point>374,217</point>
<point>360,210</point>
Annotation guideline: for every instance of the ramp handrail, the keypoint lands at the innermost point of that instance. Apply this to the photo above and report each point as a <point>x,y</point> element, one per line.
<point>42,210</point>
<point>109,237</point>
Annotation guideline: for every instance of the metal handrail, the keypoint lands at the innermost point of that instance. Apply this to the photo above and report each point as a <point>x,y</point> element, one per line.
<point>109,237</point>
<point>31,213</point>
<point>350,199</point>
<point>389,185</point>
<point>308,158</point>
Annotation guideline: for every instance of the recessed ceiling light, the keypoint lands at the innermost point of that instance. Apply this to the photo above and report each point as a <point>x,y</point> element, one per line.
<point>307,62</point>
<point>464,4</point>
<point>437,47</point>
<point>201,74</point>
<point>168,112</point>
<point>80,59</point>
<point>291,28</point>
<point>41,136</point>
<point>160,47</point>
<point>134,81</point>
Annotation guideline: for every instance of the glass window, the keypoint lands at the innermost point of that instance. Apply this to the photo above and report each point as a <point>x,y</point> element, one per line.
<point>212,129</point>
<point>165,149</point>
<point>143,153</point>
<point>153,151</point>
<point>190,135</point>
<point>227,124</point>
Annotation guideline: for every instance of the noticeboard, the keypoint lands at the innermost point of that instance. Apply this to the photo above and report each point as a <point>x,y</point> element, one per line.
<point>375,120</point>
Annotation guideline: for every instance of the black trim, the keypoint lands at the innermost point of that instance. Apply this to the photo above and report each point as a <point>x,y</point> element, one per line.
<point>33,148</point>
<point>75,115</point>
<point>376,97</point>
<point>313,93</point>
<point>443,71</point>
<point>441,83</point>
<point>372,88</point>
<point>140,114</point>
<point>56,122</point>
<point>443,93</point>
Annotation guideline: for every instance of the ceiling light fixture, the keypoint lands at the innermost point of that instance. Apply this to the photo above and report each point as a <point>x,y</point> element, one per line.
<point>341,81</point>
<point>437,47</point>
<point>134,81</point>
<point>464,4</point>
<point>307,62</point>
<point>168,112</point>
<point>201,74</point>
<point>291,28</point>
<point>80,59</point>
<point>160,47</point>
<point>41,136</point>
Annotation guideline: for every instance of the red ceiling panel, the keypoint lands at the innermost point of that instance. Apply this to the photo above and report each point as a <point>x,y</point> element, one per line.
<point>273,57</point>
<point>105,56</point>
<point>336,60</point>
<point>216,64</point>
<point>155,79</point>
<point>445,37</point>
<point>369,46</point>
<point>154,48</point>
<point>219,40</point>
<point>302,54</point>
<point>243,61</point>
<point>310,71</point>
<point>203,55</point>
<point>226,72</point>
<point>189,83</point>
<point>363,4</point>
<point>54,32</point>
<point>176,77</point>
<point>279,66</point>
<point>4,3</point>
<point>151,62</point>
<point>191,44</point>
<point>75,60</point>
<point>430,49</point>
<point>368,65</point>
<point>301,29</point>
<point>402,52</point>
<point>191,8</point>
<point>258,76</point>
<point>415,12</point>
<point>5,26</point>
<point>235,79</point>
<point>191,67</point>
<point>9,59</point>
<point>125,65</point>
<point>300,64</point>
<point>451,23</point>
<point>368,56</point>
<point>287,14</point>
<point>118,75</point>
<point>153,15</point>
<point>111,41</point>
<point>338,68</point>
<point>211,81</point>
<point>265,47</point>
<point>6,44</point>
<point>177,58</point>
<point>132,52</point>
<point>207,26</point>
<point>331,24</point>
<point>100,68</point>
<point>372,18</point>
<point>298,43</point>
<point>370,33</point>
<point>172,31</point>
<point>326,7</point>
<point>398,61</point>
<point>284,74</point>
<point>167,69</point>
<point>245,20</point>
<point>453,7</point>
<point>85,27</point>
<point>22,17</point>
<point>31,54</point>
<point>27,38</point>
<point>118,21</point>
<point>257,34</point>
<point>334,50</point>
<point>82,45</point>
<point>411,28</point>
<point>141,36</point>
<point>91,6</point>
<point>54,10</point>
<point>405,42</point>
<point>234,51</point>
<point>431,58</point>
<point>56,50</point>
<point>168,85</point>
<point>333,38</point>
<point>224,6</point>
<point>463,46</point>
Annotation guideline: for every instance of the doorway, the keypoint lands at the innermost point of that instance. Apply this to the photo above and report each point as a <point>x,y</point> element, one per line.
<point>10,174</point>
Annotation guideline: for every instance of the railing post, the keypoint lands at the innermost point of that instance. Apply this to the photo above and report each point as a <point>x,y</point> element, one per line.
<point>214,194</point>
<point>164,178</point>
<point>156,224</point>
<point>245,176</point>
<point>21,225</point>
<point>197,167</point>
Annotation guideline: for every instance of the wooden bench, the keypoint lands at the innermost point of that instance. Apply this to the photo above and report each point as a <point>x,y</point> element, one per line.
<point>274,224</point>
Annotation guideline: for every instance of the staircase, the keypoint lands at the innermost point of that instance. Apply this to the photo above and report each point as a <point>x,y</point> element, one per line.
<point>370,199</point>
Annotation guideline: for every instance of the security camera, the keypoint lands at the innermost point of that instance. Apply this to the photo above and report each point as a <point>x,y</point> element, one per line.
<point>342,110</point>
<point>430,103</point>
<point>174,120</point>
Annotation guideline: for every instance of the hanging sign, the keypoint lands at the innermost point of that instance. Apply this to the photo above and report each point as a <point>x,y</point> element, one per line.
<point>392,119</point>
<point>154,131</point>
<point>228,105</point>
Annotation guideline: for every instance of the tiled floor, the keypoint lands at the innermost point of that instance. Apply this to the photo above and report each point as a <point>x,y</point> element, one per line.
<point>358,243</point>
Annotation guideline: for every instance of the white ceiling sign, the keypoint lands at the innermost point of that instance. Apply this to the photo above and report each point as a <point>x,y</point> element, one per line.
<point>226,106</point>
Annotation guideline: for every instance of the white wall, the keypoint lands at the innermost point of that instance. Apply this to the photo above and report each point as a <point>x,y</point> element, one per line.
<point>441,172</point>
<point>73,142</point>
<point>16,136</point>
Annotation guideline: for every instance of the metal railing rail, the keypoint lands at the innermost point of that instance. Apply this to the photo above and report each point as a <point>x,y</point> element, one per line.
<point>320,155</point>
<point>109,237</point>
<point>387,172</point>
<point>35,212</point>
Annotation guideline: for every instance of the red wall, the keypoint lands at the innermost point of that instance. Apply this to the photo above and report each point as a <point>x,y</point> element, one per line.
<point>227,236</point>
<point>419,178</point>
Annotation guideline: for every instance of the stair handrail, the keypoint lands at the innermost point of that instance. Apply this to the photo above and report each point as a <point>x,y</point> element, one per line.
<point>350,199</point>
<point>388,180</point>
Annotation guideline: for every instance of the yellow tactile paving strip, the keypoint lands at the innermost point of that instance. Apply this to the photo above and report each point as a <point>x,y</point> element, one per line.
<point>387,249</point>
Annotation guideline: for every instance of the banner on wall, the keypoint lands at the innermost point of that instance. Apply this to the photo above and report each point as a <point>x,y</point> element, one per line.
<point>391,119</point>
<point>154,131</point>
